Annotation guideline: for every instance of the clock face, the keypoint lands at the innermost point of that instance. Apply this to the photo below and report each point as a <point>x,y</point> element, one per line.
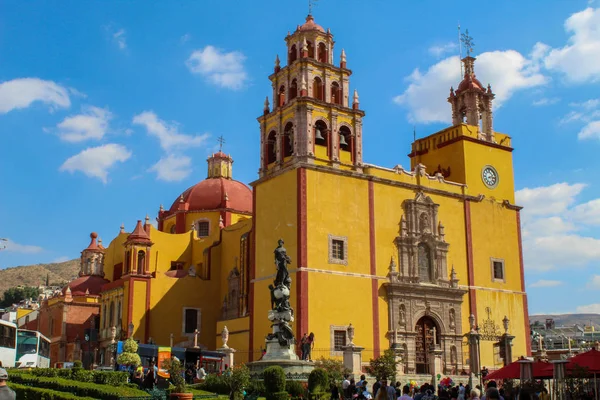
<point>489,176</point>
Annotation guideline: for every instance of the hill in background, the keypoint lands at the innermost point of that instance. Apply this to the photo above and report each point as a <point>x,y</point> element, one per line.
<point>568,319</point>
<point>35,275</point>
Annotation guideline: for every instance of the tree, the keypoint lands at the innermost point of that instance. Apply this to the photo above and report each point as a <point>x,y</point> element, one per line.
<point>237,379</point>
<point>335,369</point>
<point>175,369</point>
<point>384,367</point>
<point>15,294</point>
<point>129,356</point>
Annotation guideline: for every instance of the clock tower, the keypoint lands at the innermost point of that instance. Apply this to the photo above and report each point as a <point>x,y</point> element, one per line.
<point>470,151</point>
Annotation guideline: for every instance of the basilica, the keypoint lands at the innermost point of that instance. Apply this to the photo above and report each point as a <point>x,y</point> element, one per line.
<point>415,258</point>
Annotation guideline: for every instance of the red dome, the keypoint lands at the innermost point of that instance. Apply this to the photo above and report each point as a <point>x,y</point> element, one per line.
<point>215,193</point>
<point>470,82</point>
<point>310,25</point>
<point>79,286</point>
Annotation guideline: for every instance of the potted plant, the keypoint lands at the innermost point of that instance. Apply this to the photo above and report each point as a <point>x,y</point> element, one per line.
<point>129,356</point>
<point>175,369</point>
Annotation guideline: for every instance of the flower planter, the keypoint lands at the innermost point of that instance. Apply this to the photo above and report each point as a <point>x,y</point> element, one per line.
<point>181,396</point>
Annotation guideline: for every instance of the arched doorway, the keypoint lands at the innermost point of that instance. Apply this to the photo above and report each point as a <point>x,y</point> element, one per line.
<point>426,329</point>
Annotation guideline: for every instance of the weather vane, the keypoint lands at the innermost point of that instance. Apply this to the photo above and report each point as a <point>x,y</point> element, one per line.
<point>311,3</point>
<point>221,141</point>
<point>467,41</point>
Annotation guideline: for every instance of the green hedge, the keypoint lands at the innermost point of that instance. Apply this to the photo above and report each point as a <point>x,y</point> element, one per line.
<point>112,378</point>
<point>278,395</point>
<point>214,384</point>
<point>34,393</point>
<point>274,378</point>
<point>318,381</point>
<point>295,389</point>
<point>257,387</point>
<point>81,389</point>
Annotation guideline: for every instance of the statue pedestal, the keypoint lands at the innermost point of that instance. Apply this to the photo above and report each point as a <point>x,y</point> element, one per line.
<point>228,355</point>
<point>437,365</point>
<point>353,359</point>
<point>277,352</point>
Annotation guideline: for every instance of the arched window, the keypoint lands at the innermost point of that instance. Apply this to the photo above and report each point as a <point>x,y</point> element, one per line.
<point>321,134</point>
<point>287,142</point>
<point>424,255</point>
<point>271,154</point>
<point>345,138</point>
<point>119,316</point>
<point>293,89</point>
<point>322,52</point>
<point>293,54</point>
<point>336,93</point>
<point>311,49</point>
<point>111,314</point>
<point>281,96</point>
<point>318,88</point>
<point>141,262</point>
<point>128,262</point>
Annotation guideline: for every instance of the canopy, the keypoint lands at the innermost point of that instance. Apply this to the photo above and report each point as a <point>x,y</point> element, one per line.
<point>589,359</point>
<point>541,370</point>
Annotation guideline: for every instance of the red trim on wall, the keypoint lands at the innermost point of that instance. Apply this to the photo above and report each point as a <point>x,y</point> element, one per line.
<point>252,275</point>
<point>147,326</point>
<point>373,270</point>
<point>470,269</point>
<point>301,239</point>
<point>522,271</point>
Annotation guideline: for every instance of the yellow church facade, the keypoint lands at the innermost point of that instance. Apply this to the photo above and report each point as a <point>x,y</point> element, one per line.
<point>412,257</point>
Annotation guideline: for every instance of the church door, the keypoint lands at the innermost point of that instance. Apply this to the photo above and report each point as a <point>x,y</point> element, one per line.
<point>425,329</point>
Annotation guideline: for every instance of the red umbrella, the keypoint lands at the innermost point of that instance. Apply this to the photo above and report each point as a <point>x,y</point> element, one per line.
<point>589,359</point>
<point>541,370</point>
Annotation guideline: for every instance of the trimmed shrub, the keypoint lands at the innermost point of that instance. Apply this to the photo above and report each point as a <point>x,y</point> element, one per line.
<point>295,389</point>
<point>29,392</point>
<point>318,381</point>
<point>80,389</point>
<point>274,378</point>
<point>257,387</point>
<point>214,384</point>
<point>113,378</point>
<point>278,395</point>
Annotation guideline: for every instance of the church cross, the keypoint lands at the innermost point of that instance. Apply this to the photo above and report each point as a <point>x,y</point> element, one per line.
<point>311,3</point>
<point>467,41</point>
<point>221,141</point>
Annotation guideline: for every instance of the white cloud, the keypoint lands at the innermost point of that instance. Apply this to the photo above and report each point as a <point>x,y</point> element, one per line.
<point>172,168</point>
<point>92,123</point>
<point>20,248</point>
<point>120,39</point>
<point>590,104</point>
<point>543,283</point>
<point>587,213</point>
<point>440,50</point>
<point>509,71</point>
<point>546,200</point>
<point>553,225</point>
<point>579,59</point>
<point>590,131</point>
<point>594,283</point>
<point>589,309</point>
<point>22,92</point>
<point>167,133</point>
<point>60,259</point>
<point>545,101</point>
<point>220,68</point>
<point>96,161</point>
<point>185,38</point>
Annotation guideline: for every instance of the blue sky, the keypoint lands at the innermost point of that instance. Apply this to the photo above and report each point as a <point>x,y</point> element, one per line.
<point>108,109</point>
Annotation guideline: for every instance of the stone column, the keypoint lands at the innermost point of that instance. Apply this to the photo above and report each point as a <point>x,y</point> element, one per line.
<point>474,364</point>
<point>399,357</point>
<point>228,355</point>
<point>436,363</point>
<point>526,370</point>
<point>558,383</point>
<point>506,341</point>
<point>353,359</point>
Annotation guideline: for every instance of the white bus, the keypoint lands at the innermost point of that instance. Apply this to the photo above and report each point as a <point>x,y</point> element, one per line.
<point>8,343</point>
<point>33,349</point>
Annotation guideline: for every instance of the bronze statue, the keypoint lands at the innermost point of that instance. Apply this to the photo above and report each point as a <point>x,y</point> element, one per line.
<point>282,260</point>
<point>280,298</point>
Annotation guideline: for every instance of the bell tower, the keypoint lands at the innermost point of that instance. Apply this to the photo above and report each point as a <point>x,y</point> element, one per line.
<point>314,118</point>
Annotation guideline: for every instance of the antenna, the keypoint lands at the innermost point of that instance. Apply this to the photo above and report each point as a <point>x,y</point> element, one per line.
<point>460,51</point>
<point>221,141</point>
<point>311,3</point>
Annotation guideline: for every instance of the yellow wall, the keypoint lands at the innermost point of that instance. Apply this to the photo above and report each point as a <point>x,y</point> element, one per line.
<point>276,217</point>
<point>239,336</point>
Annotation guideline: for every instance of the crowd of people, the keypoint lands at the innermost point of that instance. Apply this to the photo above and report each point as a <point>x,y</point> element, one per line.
<point>382,390</point>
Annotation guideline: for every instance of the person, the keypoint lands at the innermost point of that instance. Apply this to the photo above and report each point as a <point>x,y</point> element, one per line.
<point>137,378</point>
<point>398,388</point>
<point>303,342</point>
<point>365,395</point>
<point>352,388</point>
<point>6,393</point>
<point>544,395</point>
<point>475,394</point>
<point>421,393</point>
<point>390,390</point>
<point>201,373</point>
<point>491,385</point>
<point>360,383</point>
<point>345,386</point>
<point>492,394</point>
<point>310,346</point>
<point>376,386</point>
<point>381,393</point>
<point>150,379</point>
<point>405,393</point>
<point>335,393</point>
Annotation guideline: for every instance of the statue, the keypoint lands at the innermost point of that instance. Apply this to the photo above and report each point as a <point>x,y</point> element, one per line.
<point>282,260</point>
<point>281,311</point>
<point>225,336</point>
